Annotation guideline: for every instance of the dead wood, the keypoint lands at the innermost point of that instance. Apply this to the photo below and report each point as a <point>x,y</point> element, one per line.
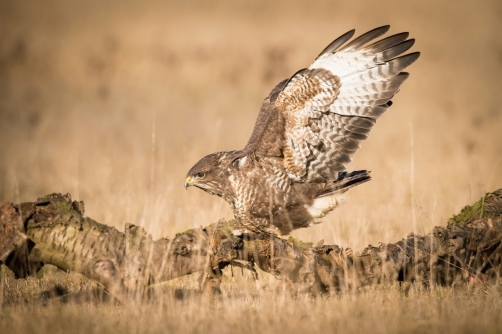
<point>53,230</point>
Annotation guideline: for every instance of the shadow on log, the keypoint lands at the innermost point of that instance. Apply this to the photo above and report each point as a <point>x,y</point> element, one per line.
<point>53,230</point>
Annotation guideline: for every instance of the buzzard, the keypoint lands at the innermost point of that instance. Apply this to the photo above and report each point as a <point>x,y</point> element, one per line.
<point>291,172</point>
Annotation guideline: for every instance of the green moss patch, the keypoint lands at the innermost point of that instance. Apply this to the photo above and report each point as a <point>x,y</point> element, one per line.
<point>470,213</point>
<point>299,243</point>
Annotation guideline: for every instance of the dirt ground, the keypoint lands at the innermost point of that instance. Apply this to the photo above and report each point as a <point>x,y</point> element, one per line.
<point>113,102</point>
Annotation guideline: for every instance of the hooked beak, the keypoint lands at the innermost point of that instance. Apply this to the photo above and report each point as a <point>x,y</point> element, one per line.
<point>188,182</point>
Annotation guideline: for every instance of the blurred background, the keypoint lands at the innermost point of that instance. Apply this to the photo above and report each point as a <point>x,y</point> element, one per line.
<point>113,102</point>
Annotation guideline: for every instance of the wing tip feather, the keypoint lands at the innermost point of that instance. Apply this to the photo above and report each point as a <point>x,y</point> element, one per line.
<point>366,37</point>
<point>337,43</point>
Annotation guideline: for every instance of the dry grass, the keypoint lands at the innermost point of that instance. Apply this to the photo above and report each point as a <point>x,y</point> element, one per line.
<point>114,103</point>
<point>248,307</point>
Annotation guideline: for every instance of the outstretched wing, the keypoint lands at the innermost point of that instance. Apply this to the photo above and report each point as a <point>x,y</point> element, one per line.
<point>319,117</point>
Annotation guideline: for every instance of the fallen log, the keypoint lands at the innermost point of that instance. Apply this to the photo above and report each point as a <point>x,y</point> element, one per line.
<point>53,230</point>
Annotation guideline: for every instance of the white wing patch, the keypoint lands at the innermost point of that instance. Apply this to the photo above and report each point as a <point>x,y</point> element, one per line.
<point>331,107</point>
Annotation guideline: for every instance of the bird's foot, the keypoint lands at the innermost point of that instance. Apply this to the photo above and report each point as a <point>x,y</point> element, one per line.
<point>241,231</point>
<point>272,230</point>
<point>237,232</point>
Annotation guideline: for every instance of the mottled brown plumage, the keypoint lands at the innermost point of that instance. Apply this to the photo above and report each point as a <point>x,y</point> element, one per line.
<point>291,171</point>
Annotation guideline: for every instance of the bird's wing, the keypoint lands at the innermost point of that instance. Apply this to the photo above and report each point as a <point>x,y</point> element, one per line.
<point>318,118</point>
<point>268,125</point>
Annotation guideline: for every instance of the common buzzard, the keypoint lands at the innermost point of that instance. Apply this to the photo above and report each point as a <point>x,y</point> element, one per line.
<point>292,170</point>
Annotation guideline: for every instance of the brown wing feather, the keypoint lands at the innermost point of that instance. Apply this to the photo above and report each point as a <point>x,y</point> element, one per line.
<point>268,130</point>
<point>307,95</point>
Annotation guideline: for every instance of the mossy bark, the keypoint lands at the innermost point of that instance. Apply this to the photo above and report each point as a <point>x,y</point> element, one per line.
<point>53,230</point>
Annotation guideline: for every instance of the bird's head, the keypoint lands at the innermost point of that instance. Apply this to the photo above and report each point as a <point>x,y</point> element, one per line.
<point>210,173</point>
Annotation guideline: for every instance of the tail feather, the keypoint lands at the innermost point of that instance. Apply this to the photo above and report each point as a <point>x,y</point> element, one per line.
<point>345,181</point>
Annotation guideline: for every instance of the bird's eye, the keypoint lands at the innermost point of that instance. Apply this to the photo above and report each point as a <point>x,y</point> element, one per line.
<point>200,175</point>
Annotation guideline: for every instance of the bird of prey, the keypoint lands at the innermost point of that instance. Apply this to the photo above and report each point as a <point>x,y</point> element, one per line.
<point>292,172</point>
